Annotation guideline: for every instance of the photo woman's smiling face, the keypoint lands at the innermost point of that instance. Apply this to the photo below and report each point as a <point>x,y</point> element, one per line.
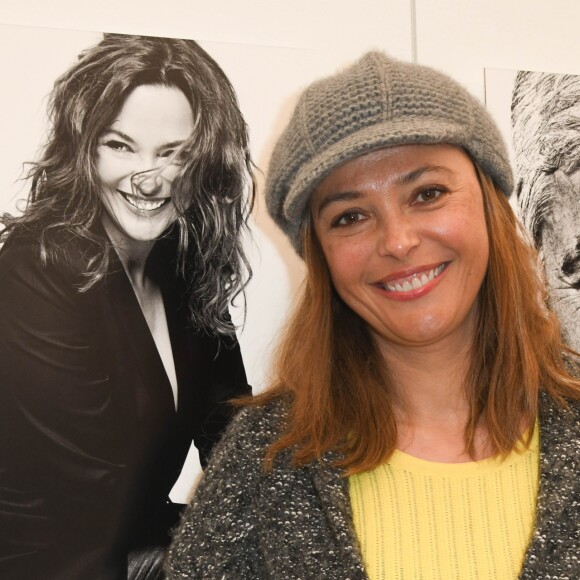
<point>137,163</point>
<point>404,235</point>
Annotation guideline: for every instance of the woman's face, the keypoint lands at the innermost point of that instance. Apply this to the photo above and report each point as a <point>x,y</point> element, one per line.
<point>404,235</point>
<point>136,163</point>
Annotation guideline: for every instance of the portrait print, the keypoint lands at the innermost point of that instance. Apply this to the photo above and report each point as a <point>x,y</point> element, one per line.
<point>117,349</point>
<point>544,131</point>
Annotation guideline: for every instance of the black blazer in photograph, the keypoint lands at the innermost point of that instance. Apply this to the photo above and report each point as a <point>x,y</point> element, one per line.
<point>90,441</point>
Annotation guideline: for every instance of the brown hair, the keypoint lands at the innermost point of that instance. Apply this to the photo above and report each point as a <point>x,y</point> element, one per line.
<point>330,370</point>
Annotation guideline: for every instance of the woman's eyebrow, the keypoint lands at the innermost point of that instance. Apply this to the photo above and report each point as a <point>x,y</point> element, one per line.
<point>416,173</point>
<point>172,144</point>
<point>120,134</point>
<point>338,196</point>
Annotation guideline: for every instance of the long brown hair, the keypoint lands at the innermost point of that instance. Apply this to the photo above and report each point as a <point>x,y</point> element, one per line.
<point>329,368</point>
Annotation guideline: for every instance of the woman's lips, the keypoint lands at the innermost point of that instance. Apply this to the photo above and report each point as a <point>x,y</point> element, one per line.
<point>414,284</point>
<point>143,204</point>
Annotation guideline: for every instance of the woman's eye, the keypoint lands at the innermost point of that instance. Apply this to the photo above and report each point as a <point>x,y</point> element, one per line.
<point>117,145</point>
<point>429,195</point>
<point>174,156</point>
<point>346,219</point>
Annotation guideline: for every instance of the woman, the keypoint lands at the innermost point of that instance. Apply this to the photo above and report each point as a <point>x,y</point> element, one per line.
<point>116,347</point>
<point>419,371</point>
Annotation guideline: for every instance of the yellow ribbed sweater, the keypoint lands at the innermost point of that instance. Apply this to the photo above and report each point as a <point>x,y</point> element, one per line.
<point>418,519</point>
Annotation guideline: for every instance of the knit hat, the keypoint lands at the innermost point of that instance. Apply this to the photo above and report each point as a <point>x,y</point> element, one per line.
<point>377,102</point>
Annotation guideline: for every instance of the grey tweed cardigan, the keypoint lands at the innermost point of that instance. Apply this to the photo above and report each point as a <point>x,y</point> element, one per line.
<point>294,523</point>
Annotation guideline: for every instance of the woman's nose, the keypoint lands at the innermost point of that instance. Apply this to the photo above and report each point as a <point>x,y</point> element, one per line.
<point>147,182</point>
<point>397,236</point>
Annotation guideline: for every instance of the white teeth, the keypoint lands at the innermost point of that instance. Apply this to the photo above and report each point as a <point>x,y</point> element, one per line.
<point>144,204</point>
<point>415,282</point>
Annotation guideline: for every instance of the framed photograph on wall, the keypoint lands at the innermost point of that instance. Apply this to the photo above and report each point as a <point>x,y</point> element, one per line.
<point>539,113</point>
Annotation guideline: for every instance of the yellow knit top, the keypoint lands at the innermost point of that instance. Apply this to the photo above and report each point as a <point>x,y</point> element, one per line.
<point>419,519</point>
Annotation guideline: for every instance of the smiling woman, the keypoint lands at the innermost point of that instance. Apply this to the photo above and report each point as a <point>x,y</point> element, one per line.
<point>422,422</point>
<point>116,348</point>
<point>137,162</point>
<point>420,205</point>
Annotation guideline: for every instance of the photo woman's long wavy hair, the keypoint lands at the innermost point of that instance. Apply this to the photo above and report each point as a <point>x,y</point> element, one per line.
<point>213,193</point>
<point>330,372</point>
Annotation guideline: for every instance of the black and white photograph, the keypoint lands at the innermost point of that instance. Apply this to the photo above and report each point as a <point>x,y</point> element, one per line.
<point>117,345</point>
<point>541,122</point>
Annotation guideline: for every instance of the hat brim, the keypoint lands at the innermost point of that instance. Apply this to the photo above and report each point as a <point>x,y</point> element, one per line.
<point>412,131</point>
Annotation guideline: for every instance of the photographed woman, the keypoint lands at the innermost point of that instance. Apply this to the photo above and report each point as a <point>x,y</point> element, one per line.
<point>422,422</point>
<point>116,348</point>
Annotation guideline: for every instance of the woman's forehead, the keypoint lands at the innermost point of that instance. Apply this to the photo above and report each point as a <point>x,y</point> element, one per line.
<point>155,110</point>
<point>396,165</point>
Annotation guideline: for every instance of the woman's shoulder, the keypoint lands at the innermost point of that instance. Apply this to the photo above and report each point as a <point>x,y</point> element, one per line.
<point>572,363</point>
<point>65,253</point>
<point>24,269</point>
<point>560,423</point>
<point>243,446</point>
<point>20,258</point>
<point>257,425</point>
<point>19,246</point>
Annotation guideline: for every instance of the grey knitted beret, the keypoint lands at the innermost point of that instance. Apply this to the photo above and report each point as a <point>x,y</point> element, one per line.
<point>376,102</point>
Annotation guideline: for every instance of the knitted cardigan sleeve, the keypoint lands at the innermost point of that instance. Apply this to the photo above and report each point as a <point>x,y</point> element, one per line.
<point>217,536</point>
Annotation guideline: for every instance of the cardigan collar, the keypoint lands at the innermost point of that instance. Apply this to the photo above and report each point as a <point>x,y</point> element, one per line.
<point>332,488</point>
<point>559,491</point>
<point>557,508</point>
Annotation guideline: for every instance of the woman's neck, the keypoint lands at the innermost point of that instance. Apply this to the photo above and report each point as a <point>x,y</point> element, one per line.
<point>132,253</point>
<point>428,379</point>
<point>430,402</point>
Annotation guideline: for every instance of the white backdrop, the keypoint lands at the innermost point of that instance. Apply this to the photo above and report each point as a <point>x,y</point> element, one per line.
<point>270,50</point>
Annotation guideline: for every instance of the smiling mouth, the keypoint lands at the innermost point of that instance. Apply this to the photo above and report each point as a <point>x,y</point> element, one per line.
<point>415,281</point>
<point>143,204</point>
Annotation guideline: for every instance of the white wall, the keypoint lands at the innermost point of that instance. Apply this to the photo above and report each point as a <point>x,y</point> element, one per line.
<point>270,49</point>
<point>461,37</point>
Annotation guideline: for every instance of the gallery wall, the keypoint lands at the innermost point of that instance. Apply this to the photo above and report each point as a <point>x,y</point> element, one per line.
<point>270,49</point>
